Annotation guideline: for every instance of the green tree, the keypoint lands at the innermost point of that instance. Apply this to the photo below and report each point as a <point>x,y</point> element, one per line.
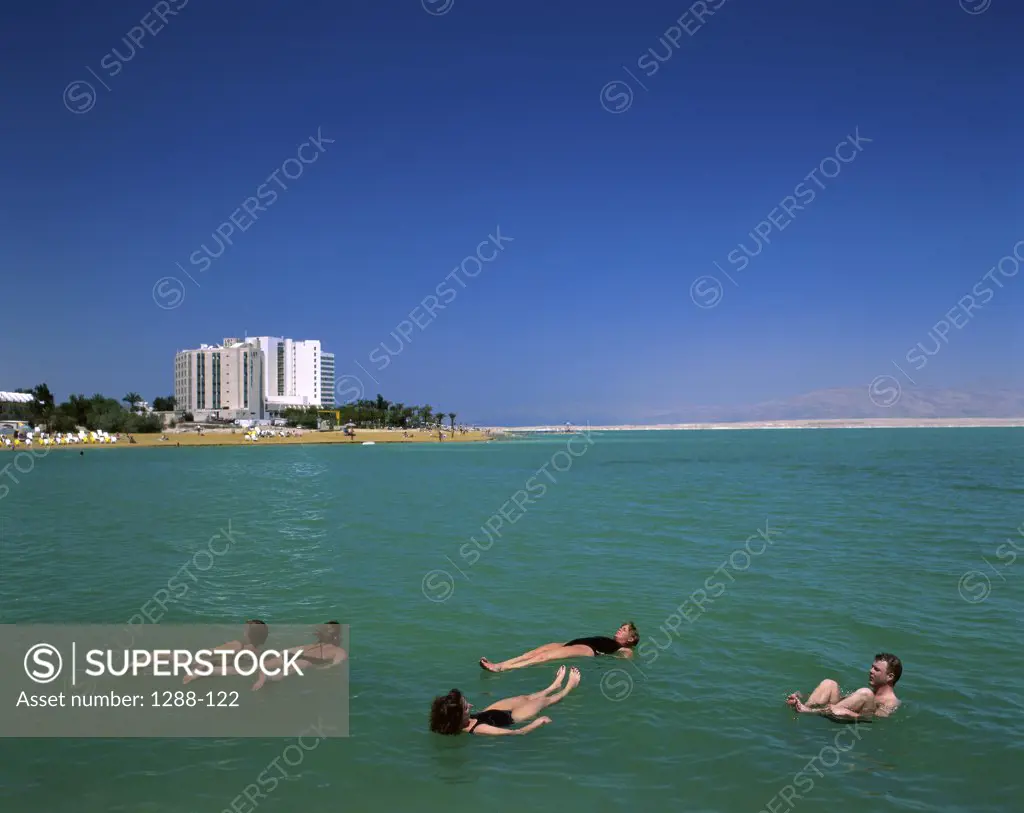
<point>61,422</point>
<point>142,423</point>
<point>106,414</point>
<point>76,408</point>
<point>399,415</point>
<point>102,413</point>
<point>304,417</point>
<point>37,411</point>
<point>42,394</point>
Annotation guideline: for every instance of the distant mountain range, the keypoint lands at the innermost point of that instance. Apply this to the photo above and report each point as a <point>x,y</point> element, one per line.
<point>857,403</point>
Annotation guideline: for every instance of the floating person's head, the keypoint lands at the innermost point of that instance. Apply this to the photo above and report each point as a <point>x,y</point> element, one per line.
<point>256,632</point>
<point>329,633</point>
<point>627,634</point>
<point>448,713</point>
<point>885,670</point>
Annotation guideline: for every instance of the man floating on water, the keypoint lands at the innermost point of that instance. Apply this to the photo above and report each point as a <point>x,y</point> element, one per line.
<point>878,701</point>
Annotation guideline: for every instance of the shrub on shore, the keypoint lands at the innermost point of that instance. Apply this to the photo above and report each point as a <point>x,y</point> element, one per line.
<point>95,413</point>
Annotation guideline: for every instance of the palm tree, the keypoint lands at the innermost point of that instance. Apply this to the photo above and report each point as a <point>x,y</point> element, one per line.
<point>77,406</point>
<point>397,414</point>
<point>451,417</point>
<point>132,399</point>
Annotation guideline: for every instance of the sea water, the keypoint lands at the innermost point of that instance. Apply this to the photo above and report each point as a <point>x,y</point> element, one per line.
<point>879,540</point>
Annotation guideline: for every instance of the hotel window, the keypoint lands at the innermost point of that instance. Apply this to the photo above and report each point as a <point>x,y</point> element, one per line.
<point>280,369</point>
<point>200,381</point>
<point>216,381</point>
<point>245,380</point>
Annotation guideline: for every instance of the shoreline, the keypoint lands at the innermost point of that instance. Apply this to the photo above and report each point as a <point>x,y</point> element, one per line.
<point>216,437</point>
<point>825,423</point>
<point>224,437</point>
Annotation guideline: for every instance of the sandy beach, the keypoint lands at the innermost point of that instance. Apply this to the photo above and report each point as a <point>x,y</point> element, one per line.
<point>841,423</point>
<point>224,437</point>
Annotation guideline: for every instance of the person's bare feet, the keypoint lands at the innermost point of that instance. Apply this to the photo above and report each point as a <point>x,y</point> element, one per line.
<point>574,678</point>
<point>490,667</point>
<point>559,677</point>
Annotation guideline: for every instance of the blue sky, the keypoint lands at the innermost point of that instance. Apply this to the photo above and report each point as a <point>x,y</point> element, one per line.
<point>492,115</point>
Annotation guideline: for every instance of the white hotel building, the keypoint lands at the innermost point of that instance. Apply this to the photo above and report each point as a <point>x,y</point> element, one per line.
<point>327,379</point>
<point>292,372</point>
<point>256,377</point>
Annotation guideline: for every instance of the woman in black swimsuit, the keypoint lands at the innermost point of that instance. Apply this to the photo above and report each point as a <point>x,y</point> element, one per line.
<point>450,714</point>
<point>626,637</point>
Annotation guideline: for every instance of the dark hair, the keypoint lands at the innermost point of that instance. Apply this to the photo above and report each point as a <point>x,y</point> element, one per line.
<point>448,714</point>
<point>895,666</point>
<point>329,633</point>
<point>634,634</point>
<point>256,631</point>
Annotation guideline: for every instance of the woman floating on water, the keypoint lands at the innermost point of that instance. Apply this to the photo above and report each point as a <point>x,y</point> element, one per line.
<point>626,637</point>
<point>450,714</point>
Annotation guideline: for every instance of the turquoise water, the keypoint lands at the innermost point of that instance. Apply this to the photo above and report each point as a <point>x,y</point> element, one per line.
<point>876,531</point>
